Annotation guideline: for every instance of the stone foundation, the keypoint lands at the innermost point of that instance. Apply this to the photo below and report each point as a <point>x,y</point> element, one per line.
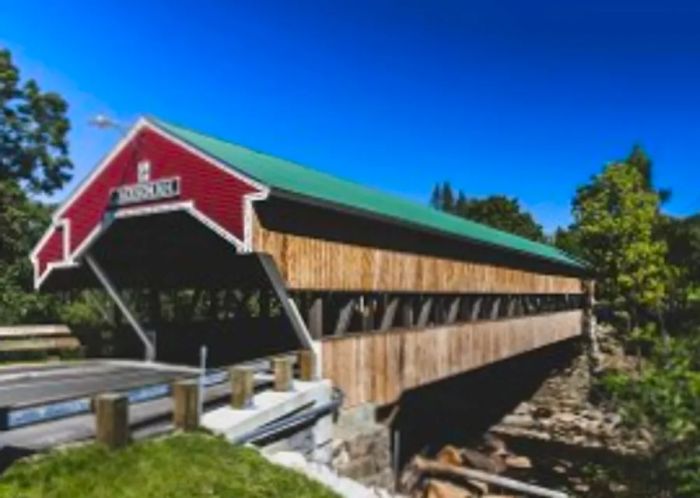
<point>361,448</point>
<point>314,443</point>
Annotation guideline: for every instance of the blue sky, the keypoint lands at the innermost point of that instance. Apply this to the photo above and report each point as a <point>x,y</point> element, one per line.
<point>527,99</point>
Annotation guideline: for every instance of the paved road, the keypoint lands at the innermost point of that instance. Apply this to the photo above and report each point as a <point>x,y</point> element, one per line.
<point>29,386</point>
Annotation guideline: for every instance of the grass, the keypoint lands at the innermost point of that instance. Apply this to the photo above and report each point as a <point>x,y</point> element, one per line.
<point>183,465</point>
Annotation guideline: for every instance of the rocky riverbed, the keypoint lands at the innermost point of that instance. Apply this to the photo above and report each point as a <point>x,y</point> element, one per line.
<point>562,411</point>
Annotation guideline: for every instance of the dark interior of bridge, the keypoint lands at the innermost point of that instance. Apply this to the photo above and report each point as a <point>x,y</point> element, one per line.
<point>186,283</point>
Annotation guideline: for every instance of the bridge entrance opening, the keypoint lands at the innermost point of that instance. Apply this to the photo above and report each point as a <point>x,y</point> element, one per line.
<point>174,285</point>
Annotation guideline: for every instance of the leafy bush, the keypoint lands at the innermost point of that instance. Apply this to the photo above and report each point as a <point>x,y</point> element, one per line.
<point>664,397</point>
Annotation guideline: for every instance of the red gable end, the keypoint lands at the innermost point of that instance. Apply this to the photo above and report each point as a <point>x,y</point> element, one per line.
<point>210,191</point>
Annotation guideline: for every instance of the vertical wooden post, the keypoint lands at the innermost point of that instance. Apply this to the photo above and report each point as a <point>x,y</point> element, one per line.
<point>369,307</point>
<point>282,367</point>
<point>424,315</point>
<point>453,310</point>
<point>495,307</point>
<point>307,365</point>
<point>242,385</point>
<point>186,404</point>
<point>112,420</point>
<point>476,308</point>
<point>407,311</point>
<point>464,311</point>
<point>392,304</point>
<point>512,306</point>
<point>344,316</point>
<point>314,317</point>
<point>439,310</point>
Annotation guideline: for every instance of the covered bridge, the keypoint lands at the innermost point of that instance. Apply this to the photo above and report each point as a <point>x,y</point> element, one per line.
<point>390,293</point>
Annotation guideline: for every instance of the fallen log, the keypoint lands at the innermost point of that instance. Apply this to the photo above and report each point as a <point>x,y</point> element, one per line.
<point>437,470</point>
<point>443,489</point>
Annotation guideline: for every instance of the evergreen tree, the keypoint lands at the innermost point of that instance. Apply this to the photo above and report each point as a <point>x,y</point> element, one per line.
<point>497,211</point>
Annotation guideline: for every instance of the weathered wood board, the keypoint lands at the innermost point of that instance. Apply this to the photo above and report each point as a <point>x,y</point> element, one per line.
<point>311,263</point>
<point>377,367</point>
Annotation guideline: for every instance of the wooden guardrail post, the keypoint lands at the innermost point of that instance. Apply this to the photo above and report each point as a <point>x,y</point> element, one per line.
<point>112,420</point>
<point>242,384</point>
<point>282,367</point>
<point>307,365</point>
<point>186,404</point>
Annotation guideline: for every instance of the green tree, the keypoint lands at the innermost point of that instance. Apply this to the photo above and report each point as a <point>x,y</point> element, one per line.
<point>683,239</point>
<point>22,222</point>
<point>33,132</point>
<point>641,161</point>
<point>617,222</point>
<point>33,159</point>
<point>443,198</point>
<point>503,213</point>
<point>568,240</point>
<point>497,211</point>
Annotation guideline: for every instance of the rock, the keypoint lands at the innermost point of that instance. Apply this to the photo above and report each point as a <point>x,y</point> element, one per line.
<point>592,414</point>
<point>647,436</point>
<point>546,423</point>
<point>495,445</point>
<point>618,488</point>
<point>347,488</point>
<point>289,459</point>
<point>566,417</point>
<point>613,419</point>
<point>518,462</point>
<point>543,412</point>
<point>518,420</point>
<point>476,460</point>
<point>358,468</point>
<point>340,459</point>
<point>560,469</point>
<point>523,408</point>
<point>338,445</point>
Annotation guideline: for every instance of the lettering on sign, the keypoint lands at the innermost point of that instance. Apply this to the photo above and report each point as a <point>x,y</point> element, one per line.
<point>155,190</point>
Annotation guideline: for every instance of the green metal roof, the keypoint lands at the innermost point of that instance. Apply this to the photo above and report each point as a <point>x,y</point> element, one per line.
<point>291,177</point>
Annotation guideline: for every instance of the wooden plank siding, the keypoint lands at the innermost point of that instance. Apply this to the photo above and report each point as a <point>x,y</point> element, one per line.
<point>378,367</point>
<point>313,263</point>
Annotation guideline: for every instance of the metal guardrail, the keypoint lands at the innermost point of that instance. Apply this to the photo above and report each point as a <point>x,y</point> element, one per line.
<point>269,431</point>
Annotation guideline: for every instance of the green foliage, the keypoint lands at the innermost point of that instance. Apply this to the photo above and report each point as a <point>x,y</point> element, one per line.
<point>21,223</point>
<point>640,161</point>
<point>497,211</point>
<point>664,397</point>
<point>184,465</point>
<point>682,236</point>
<point>33,132</point>
<point>568,240</point>
<point>617,221</point>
